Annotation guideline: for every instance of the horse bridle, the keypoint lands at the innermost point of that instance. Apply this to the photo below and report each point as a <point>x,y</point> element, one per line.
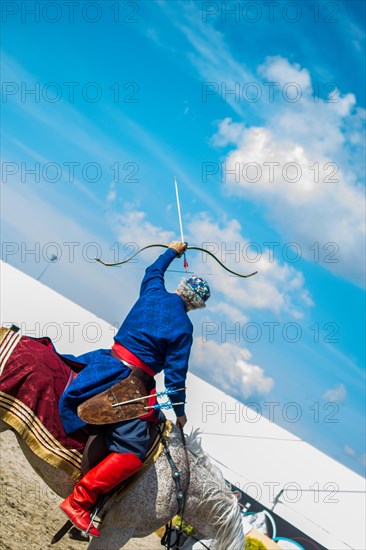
<point>167,246</point>
<point>181,494</point>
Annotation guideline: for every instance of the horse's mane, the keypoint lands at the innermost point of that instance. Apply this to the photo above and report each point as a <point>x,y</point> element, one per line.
<point>194,446</point>
<point>225,511</point>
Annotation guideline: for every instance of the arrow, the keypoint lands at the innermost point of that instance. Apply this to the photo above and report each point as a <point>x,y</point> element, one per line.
<point>158,394</point>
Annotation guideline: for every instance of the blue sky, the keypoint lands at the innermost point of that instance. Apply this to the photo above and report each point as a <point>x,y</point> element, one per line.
<point>260,116</point>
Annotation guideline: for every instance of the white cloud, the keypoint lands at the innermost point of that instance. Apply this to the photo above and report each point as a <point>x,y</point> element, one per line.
<point>112,193</point>
<point>153,35</point>
<point>209,54</point>
<point>279,70</point>
<point>278,288</point>
<point>229,133</point>
<point>349,451</point>
<point>228,367</point>
<point>325,135</point>
<point>229,311</point>
<point>361,458</point>
<point>111,196</point>
<point>336,394</point>
<point>134,224</point>
<point>319,199</point>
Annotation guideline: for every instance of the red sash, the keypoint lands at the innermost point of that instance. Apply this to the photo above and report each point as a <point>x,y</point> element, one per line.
<point>126,355</point>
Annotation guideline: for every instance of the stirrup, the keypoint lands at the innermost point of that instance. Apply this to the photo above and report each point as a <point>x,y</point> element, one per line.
<point>85,534</point>
<point>75,534</point>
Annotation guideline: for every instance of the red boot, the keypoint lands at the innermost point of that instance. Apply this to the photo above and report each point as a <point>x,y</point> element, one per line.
<point>109,473</point>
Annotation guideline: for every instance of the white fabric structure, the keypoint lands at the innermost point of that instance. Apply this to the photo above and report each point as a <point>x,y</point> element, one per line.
<point>319,496</point>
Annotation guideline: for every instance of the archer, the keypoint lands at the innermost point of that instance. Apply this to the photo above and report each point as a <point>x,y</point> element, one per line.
<point>156,335</point>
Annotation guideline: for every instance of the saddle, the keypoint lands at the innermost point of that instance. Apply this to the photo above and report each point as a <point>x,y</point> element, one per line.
<point>96,450</point>
<point>126,400</point>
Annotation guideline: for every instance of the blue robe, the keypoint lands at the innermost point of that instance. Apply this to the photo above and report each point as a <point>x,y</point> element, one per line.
<point>157,330</point>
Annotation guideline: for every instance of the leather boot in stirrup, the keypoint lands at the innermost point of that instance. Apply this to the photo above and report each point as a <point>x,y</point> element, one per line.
<point>101,479</point>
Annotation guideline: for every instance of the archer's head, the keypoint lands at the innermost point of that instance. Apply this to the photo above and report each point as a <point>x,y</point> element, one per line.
<point>194,291</point>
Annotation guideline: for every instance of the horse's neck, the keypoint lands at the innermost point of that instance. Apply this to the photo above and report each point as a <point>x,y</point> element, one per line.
<point>211,508</point>
<point>201,500</point>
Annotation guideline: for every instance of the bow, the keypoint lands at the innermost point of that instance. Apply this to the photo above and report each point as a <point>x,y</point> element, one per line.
<point>188,248</point>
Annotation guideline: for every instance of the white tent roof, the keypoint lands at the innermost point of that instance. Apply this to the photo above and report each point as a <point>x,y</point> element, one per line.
<point>321,497</point>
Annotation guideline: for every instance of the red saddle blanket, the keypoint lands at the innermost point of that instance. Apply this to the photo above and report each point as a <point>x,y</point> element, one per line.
<point>32,379</point>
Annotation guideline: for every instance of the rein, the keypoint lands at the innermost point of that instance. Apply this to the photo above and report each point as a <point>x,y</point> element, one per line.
<point>202,543</point>
<point>181,494</point>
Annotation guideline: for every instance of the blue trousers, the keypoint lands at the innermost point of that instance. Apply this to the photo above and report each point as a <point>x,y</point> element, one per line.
<point>130,436</point>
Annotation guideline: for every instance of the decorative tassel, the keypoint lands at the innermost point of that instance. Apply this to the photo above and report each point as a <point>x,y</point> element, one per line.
<point>164,406</point>
<point>168,391</point>
<point>185,263</point>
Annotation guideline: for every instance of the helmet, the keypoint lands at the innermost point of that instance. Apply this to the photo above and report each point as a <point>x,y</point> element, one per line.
<point>199,286</point>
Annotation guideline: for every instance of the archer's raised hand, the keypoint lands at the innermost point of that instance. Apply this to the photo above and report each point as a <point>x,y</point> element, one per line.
<point>178,247</point>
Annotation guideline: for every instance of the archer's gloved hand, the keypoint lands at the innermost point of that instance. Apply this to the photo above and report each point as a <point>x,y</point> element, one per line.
<point>182,420</point>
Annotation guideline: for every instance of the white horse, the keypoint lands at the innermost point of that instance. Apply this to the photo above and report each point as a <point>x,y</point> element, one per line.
<point>32,370</point>
<point>151,501</point>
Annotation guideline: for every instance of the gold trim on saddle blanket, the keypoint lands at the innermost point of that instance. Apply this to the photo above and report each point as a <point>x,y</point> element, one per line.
<point>23,420</point>
<point>27,425</point>
<point>8,340</point>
